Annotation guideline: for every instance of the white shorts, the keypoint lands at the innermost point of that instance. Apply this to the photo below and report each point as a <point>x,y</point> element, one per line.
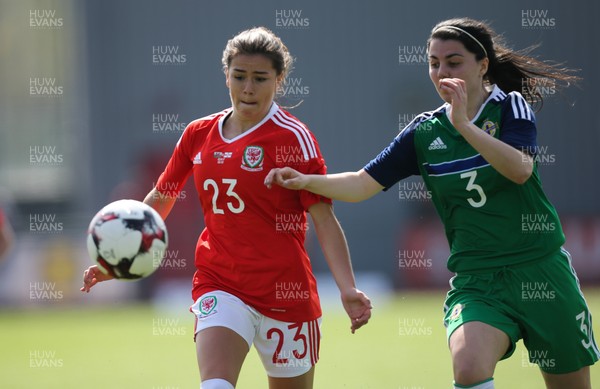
<point>286,349</point>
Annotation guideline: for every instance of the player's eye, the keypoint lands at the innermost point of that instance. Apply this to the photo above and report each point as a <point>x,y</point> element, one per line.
<point>238,77</point>
<point>434,65</point>
<point>260,79</point>
<point>453,64</point>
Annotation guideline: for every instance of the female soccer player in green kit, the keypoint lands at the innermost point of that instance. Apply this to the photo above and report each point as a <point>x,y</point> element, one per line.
<point>476,154</point>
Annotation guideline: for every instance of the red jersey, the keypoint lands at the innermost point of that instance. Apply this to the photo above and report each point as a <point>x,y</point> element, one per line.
<point>253,243</point>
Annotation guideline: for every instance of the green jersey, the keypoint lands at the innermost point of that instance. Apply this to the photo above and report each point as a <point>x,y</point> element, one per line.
<point>489,220</point>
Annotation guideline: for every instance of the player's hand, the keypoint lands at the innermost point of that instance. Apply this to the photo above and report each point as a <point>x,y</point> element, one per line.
<point>457,90</point>
<point>92,276</point>
<point>286,177</point>
<point>358,307</point>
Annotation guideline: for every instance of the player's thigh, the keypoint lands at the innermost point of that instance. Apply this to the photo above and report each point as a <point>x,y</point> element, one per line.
<point>304,381</point>
<point>477,347</point>
<point>221,353</point>
<point>225,330</point>
<point>576,380</point>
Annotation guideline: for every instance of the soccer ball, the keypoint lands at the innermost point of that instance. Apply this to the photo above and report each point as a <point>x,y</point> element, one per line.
<point>127,239</point>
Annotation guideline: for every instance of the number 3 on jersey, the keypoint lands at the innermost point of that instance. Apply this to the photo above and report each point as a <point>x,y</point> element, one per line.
<point>235,207</point>
<point>471,185</point>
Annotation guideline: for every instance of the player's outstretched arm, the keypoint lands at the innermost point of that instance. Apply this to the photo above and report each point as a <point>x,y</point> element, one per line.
<point>91,276</point>
<point>349,186</point>
<point>160,202</point>
<point>334,246</point>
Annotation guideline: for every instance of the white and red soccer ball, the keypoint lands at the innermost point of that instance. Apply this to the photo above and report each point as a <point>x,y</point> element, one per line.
<point>127,239</point>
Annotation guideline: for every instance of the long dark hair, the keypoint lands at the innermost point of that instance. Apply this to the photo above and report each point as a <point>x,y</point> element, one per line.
<point>509,69</point>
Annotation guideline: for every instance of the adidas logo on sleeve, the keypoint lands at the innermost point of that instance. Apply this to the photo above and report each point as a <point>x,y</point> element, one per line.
<point>437,144</point>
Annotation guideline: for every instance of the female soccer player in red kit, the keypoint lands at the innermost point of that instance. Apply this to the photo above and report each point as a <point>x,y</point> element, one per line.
<point>254,283</point>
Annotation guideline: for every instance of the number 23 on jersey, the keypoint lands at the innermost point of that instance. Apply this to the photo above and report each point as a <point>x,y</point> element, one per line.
<point>234,203</point>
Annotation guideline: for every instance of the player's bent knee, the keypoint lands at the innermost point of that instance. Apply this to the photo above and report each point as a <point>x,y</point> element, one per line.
<point>469,371</point>
<point>216,383</point>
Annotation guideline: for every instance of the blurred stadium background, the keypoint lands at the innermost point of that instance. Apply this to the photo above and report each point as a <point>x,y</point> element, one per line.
<point>96,93</point>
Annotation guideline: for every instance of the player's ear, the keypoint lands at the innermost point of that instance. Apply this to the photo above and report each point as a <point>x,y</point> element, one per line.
<point>279,81</point>
<point>226,71</point>
<point>484,64</point>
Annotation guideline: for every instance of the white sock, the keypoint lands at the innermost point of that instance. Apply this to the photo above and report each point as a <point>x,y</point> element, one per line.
<point>487,384</point>
<point>216,383</point>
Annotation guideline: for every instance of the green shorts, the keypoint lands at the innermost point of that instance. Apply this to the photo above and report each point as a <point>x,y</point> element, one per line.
<point>539,302</point>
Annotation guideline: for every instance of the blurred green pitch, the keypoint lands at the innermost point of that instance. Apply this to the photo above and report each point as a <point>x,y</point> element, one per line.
<point>137,347</point>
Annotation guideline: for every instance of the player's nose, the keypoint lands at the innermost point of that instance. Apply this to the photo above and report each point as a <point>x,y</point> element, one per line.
<point>248,87</point>
<point>443,72</point>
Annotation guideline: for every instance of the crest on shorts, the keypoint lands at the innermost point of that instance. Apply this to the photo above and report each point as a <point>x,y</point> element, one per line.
<point>489,127</point>
<point>252,159</point>
<point>456,311</point>
<point>208,305</point>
